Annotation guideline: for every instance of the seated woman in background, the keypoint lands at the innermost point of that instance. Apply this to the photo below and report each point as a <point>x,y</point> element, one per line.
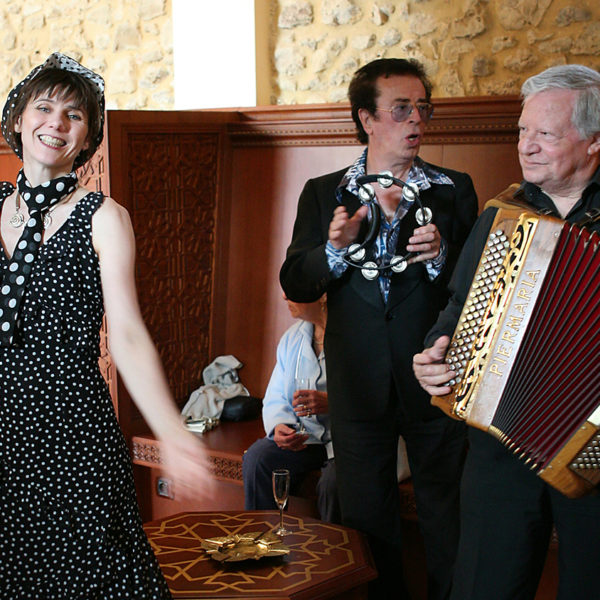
<point>295,417</point>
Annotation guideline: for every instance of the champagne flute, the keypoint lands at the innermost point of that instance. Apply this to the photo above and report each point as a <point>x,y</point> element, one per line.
<point>281,490</point>
<point>303,383</point>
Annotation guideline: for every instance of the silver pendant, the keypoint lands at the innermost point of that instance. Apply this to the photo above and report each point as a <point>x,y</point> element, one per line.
<point>47,220</point>
<point>17,220</point>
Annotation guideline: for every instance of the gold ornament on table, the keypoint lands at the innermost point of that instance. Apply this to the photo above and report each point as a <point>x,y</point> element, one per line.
<point>245,546</point>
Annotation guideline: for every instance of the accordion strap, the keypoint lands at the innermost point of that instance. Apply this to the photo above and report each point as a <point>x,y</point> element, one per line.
<point>510,198</point>
<point>591,216</point>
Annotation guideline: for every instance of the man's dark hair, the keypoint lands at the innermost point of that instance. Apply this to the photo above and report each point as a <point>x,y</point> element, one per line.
<point>363,91</point>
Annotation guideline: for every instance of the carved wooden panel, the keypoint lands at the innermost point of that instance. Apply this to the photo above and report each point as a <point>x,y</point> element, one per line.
<point>146,452</point>
<point>172,202</point>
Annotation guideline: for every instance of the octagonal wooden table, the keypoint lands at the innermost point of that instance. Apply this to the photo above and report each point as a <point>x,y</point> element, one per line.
<point>326,561</point>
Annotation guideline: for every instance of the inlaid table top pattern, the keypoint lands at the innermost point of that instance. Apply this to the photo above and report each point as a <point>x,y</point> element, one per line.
<point>325,560</point>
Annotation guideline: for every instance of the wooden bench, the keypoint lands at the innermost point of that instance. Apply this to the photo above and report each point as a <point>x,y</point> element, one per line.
<point>226,445</point>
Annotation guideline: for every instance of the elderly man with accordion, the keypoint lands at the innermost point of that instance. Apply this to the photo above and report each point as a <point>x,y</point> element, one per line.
<point>514,354</point>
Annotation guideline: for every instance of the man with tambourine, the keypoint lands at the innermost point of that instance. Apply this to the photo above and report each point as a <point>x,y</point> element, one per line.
<point>381,238</point>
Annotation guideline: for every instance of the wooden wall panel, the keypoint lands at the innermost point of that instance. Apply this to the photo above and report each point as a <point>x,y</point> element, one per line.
<point>275,150</point>
<point>173,214</point>
<point>265,190</point>
<point>9,163</point>
<point>492,166</point>
<point>165,170</point>
<point>213,197</point>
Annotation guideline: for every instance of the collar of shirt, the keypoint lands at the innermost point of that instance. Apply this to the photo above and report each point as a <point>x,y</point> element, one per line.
<point>421,174</point>
<point>539,199</point>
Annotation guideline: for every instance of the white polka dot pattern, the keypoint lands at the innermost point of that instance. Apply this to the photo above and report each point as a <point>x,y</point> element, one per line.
<point>45,196</point>
<point>69,523</point>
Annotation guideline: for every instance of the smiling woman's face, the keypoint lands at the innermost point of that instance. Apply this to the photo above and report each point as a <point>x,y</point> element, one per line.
<point>54,130</point>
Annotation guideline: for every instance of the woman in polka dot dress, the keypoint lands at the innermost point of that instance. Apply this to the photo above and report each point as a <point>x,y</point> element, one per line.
<point>69,523</point>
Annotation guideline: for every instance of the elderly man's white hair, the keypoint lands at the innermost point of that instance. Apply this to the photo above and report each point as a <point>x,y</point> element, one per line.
<point>586,112</point>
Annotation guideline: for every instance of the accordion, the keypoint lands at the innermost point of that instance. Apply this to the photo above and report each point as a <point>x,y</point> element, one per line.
<point>526,348</point>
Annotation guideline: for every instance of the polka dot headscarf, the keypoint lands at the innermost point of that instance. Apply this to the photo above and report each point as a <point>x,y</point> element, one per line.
<point>64,63</point>
<point>16,277</point>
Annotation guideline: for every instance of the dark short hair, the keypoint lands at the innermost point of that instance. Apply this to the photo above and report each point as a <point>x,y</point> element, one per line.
<point>67,85</point>
<point>363,91</point>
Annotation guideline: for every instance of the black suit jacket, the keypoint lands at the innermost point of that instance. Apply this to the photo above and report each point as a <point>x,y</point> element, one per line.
<point>369,345</point>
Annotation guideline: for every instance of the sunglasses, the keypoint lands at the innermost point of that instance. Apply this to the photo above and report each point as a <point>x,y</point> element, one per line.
<point>401,112</point>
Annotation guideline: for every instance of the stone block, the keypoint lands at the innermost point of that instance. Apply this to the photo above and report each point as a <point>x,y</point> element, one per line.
<point>520,61</point>
<point>588,41</point>
<point>391,37</point>
<point>127,37</point>
<point>340,12</point>
<point>295,14</point>
<point>572,14</point>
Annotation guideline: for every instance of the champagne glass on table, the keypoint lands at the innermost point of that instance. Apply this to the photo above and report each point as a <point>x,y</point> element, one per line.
<point>281,490</point>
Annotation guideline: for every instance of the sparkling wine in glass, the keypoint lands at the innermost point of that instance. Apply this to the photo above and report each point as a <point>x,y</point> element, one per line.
<point>303,383</point>
<point>281,490</point>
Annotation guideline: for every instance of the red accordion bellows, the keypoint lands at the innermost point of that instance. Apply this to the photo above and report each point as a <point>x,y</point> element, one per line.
<point>528,369</point>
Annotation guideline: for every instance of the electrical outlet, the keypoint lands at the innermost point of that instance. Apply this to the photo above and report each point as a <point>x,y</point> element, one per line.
<point>163,487</point>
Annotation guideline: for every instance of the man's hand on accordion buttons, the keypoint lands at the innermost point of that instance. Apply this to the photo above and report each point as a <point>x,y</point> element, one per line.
<point>430,369</point>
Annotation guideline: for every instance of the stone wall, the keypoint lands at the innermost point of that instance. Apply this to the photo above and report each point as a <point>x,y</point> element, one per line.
<point>469,47</point>
<point>129,42</point>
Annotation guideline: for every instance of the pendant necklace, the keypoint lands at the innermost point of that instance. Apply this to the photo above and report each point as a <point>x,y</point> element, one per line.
<point>18,218</point>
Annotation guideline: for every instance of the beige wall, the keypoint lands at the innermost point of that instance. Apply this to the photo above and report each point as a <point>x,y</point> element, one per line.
<point>307,50</point>
<point>129,42</point>
<point>470,47</point>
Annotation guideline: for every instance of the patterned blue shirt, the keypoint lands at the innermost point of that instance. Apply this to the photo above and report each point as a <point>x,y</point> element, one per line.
<point>422,175</point>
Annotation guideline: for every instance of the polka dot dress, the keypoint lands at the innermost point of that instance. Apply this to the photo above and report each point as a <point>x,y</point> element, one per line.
<point>69,523</point>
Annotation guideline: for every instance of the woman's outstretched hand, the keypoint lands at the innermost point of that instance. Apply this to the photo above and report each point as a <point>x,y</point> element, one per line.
<point>187,466</point>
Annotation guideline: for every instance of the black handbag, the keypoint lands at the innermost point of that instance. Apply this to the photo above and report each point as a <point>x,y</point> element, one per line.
<point>241,408</point>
